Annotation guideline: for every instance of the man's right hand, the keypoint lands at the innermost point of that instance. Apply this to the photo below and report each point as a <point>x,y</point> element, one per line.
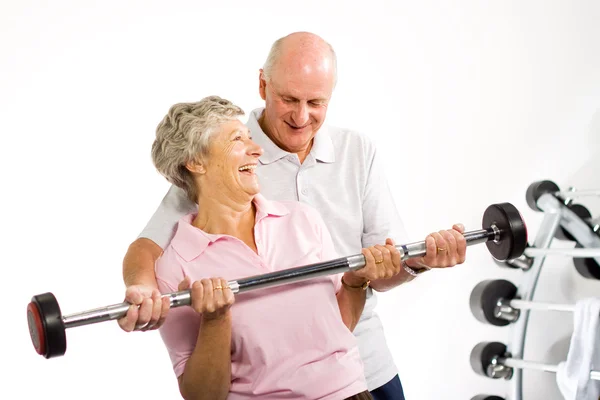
<point>147,311</point>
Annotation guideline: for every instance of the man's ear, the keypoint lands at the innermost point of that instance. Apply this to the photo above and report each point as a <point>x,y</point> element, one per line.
<point>262,85</point>
<point>195,167</point>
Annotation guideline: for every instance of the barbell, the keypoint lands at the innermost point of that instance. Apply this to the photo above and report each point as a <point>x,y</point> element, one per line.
<point>504,233</point>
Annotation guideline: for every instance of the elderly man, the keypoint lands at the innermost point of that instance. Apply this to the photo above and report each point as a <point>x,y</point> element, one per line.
<point>335,170</point>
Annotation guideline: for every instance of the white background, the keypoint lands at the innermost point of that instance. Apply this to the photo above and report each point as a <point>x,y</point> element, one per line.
<point>468,101</point>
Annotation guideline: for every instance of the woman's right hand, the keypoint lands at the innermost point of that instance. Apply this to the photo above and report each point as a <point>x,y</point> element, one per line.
<point>211,298</point>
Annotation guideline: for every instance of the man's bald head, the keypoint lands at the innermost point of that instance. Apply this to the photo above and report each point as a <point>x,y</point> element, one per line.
<point>296,84</point>
<point>298,53</point>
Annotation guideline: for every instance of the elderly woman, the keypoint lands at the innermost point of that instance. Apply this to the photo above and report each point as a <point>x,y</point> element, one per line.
<point>292,341</point>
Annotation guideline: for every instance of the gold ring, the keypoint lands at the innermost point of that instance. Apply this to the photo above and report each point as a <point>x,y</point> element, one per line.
<point>378,262</point>
<point>440,249</point>
<point>218,288</point>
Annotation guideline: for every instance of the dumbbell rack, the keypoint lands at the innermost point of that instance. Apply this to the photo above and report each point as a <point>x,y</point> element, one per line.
<point>557,215</point>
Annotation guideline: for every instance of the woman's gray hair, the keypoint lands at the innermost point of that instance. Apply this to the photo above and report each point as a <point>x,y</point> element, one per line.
<point>183,136</point>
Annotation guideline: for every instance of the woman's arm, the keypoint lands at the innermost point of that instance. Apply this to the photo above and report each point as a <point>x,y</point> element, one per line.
<point>351,300</point>
<point>351,293</point>
<point>381,262</point>
<point>207,373</point>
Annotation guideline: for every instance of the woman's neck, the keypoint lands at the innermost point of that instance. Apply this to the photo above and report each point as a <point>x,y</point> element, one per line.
<point>217,215</point>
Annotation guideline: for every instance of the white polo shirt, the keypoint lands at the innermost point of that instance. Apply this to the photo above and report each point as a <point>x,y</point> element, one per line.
<point>341,178</point>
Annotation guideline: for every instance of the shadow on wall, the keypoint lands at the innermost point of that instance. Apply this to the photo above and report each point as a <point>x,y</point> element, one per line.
<point>547,387</point>
<point>588,176</point>
<point>594,133</point>
<point>589,173</point>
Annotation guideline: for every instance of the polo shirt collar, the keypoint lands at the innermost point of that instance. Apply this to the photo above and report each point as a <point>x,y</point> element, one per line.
<point>189,241</point>
<point>322,149</point>
<point>266,208</point>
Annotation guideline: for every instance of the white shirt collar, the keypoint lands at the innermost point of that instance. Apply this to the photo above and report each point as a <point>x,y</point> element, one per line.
<point>322,148</point>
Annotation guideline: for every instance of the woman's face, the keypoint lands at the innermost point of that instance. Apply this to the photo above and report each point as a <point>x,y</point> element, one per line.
<point>231,162</point>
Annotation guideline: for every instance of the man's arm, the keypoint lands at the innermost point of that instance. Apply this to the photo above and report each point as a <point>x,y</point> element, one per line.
<point>148,311</point>
<point>139,261</point>
<point>381,219</point>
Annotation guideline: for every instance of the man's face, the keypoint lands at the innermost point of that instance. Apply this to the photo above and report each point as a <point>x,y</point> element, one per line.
<point>295,105</point>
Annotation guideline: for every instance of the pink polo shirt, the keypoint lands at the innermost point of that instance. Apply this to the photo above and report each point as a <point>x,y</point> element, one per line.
<point>288,342</point>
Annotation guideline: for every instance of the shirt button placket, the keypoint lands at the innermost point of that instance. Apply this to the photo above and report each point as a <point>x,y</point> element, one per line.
<point>259,249</point>
<point>302,189</point>
<point>257,240</point>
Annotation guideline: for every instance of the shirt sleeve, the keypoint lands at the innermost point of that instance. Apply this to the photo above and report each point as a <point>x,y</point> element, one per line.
<point>180,330</point>
<point>161,227</point>
<point>380,215</point>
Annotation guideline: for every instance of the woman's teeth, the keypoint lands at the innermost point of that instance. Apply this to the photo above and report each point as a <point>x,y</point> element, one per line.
<point>247,168</point>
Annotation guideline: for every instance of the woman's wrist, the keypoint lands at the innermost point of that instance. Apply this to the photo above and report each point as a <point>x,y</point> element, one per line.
<point>352,281</point>
<point>217,320</point>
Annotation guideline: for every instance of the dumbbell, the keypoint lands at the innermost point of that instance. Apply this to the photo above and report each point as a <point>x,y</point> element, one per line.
<point>487,359</point>
<point>487,299</point>
<point>492,360</point>
<point>496,302</point>
<point>504,233</point>
<point>586,267</point>
<point>582,212</point>
<point>537,189</point>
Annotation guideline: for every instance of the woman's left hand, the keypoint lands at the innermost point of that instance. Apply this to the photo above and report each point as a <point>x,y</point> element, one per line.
<point>382,262</point>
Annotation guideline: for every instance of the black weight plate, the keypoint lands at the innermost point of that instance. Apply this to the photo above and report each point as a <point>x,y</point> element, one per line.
<point>487,397</point>
<point>482,355</point>
<point>536,190</point>
<point>36,328</point>
<point>582,212</point>
<point>513,239</point>
<point>484,297</point>
<point>54,327</point>
<point>587,267</point>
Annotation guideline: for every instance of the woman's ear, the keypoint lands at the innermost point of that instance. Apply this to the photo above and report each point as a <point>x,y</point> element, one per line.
<point>195,167</point>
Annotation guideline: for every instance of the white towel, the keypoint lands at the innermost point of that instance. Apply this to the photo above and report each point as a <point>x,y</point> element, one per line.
<point>573,375</point>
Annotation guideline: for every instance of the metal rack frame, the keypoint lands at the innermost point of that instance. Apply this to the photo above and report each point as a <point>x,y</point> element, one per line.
<point>556,214</point>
